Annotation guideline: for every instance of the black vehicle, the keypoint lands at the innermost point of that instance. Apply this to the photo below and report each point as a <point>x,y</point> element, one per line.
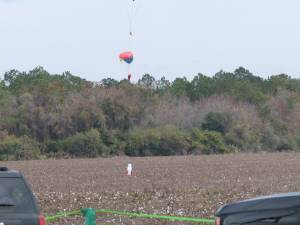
<point>17,203</point>
<point>281,209</point>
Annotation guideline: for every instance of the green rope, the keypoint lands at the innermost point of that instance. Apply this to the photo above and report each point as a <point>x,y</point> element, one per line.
<point>155,216</point>
<point>63,215</point>
<point>133,214</point>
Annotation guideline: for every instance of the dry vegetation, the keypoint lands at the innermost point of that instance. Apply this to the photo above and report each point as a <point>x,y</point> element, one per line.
<point>45,115</point>
<point>190,186</point>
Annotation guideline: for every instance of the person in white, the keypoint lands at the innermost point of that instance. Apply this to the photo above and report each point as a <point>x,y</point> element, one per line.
<point>129,169</point>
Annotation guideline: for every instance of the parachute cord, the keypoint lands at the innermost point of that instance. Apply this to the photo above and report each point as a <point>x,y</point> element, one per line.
<point>132,13</point>
<point>131,18</point>
<point>129,73</point>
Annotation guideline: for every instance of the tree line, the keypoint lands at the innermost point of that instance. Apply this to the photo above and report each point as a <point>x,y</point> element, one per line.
<point>62,115</point>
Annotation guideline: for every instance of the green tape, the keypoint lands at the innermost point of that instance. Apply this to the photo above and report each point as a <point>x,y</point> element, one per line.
<point>160,217</point>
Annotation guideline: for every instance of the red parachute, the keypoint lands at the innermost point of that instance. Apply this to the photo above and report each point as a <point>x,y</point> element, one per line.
<point>127,57</point>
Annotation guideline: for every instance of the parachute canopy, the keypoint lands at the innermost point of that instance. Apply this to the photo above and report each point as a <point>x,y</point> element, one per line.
<point>127,57</point>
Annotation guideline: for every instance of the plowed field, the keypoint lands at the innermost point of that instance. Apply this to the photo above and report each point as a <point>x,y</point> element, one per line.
<point>189,186</point>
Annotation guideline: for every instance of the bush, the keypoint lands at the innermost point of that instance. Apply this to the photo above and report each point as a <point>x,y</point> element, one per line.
<point>215,121</point>
<point>243,137</point>
<point>85,144</point>
<point>162,141</point>
<point>54,149</point>
<point>278,142</point>
<point>115,141</point>
<point>52,146</point>
<point>23,148</point>
<point>209,142</point>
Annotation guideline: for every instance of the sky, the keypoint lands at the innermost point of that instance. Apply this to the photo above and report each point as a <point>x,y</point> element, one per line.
<point>171,38</point>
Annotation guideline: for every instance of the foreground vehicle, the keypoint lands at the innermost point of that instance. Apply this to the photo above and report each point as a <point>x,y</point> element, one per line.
<point>17,203</point>
<point>282,209</point>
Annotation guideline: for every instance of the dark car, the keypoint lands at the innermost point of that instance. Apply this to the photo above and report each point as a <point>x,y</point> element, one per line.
<point>17,203</point>
<point>281,209</point>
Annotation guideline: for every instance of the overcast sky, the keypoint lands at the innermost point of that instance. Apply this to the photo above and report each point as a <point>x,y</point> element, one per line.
<point>171,38</point>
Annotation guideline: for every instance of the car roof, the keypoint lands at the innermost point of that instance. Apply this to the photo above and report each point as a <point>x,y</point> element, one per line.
<point>272,202</point>
<point>6,173</point>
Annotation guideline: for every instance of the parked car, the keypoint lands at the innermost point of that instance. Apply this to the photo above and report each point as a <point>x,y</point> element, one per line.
<point>17,202</point>
<point>281,209</point>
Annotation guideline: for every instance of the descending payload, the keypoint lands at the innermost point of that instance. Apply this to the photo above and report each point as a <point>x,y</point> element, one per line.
<point>128,56</point>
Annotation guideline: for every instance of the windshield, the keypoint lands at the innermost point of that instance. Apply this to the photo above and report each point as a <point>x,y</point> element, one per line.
<point>15,196</point>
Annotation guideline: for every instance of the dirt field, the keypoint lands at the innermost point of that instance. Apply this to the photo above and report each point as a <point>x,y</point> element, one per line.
<point>190,186</point>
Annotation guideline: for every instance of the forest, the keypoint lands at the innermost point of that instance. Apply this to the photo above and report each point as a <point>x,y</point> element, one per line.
<point>45,115</point>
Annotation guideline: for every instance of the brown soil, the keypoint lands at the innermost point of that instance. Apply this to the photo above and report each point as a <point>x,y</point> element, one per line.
<point>189,186</point>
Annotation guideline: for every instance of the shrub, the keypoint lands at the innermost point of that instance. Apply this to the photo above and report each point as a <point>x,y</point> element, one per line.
<point>116,143</point>
<point>215,121</point>
<point>279,142</point>
<point>23,148</point>
<point>162,141</point>
<point>85,144</point>
<point>54,148</point>
<point>210,142</point>
<point>243,137</point>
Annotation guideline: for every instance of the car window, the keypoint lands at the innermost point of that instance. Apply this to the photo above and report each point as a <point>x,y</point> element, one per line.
<point>15,196</point>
